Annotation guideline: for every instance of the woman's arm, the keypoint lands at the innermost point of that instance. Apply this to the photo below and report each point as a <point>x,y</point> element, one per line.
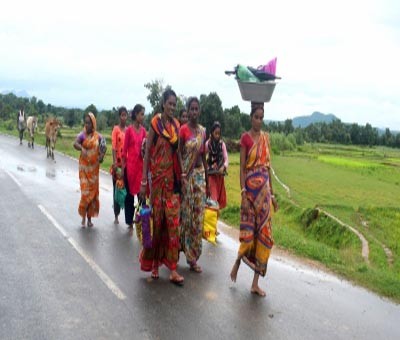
<point>114,147</point>
<point>273,199</point>
<point>243,159</point>
<point>181,143</point>
<point>78,142</point>
<point>203,156</point>
<point>225,153</point>
<point>125,151</point>
<point>143,183</point>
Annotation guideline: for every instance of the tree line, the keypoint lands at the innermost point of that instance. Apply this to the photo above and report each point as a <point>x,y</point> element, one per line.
<point>233,122</point>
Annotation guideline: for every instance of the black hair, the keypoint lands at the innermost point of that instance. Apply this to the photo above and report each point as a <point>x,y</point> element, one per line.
<point>215,125</point>
<point>138,108</point>
<point>167,93</point>
<point>255,106</point>
<point>191,100</point>
<point>182,111</point>
<point>254,109</point>
<point>121,110</point>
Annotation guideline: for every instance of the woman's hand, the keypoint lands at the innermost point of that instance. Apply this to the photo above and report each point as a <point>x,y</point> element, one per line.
<point>143,190</point>
<point>221,170</point>
<point>83,152</point>
<point>274,203</point>
<point>208,192</point>
<point>101,157</point>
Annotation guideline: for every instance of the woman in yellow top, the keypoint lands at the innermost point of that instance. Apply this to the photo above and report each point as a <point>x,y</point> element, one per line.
<point>93,148</point>
<point>257,200</point>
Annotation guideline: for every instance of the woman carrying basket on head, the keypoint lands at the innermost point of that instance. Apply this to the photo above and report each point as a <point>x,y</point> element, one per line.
<point>257,200</point>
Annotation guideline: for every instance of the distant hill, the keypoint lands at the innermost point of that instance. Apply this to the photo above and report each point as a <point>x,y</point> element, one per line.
<point>18,93</point>
<point>316,117</point>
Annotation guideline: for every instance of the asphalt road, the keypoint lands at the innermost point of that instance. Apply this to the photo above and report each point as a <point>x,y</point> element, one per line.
<point>59,281</point>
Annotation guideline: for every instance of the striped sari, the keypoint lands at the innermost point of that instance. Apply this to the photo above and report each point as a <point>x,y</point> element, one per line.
<point>193,193</point>
<point>255,215</point>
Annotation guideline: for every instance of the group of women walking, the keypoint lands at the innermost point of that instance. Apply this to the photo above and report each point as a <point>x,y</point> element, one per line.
<point>177,168</point>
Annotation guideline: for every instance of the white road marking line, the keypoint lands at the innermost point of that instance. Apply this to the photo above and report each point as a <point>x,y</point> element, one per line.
<point>100,273</point>
<point>14,178</point>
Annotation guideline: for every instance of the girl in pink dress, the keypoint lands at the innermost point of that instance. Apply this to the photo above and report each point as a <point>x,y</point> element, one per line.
<point>132,161</point>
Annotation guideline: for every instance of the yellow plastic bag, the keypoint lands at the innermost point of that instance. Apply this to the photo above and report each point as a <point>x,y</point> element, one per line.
<point>210,224</point>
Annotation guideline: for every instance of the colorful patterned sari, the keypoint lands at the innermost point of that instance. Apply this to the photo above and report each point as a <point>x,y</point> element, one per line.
<point>89,175</point>
<point>164,201</point>
<point>193,196</point>
<point>255,226</point>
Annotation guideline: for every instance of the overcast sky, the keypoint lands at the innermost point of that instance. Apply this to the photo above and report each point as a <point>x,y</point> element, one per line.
<point>339,56</point>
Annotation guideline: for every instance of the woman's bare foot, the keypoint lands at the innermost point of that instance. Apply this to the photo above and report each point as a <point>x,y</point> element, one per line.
<point>116,220</point>
<point>130,226</point>
<point>83,222</point>
<point>89,223</point>
<point>234,270</point>
<point>257,290</point>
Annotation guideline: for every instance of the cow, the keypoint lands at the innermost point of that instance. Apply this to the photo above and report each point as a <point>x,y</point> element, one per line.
<point>31,124</point>
<point>51,130</point>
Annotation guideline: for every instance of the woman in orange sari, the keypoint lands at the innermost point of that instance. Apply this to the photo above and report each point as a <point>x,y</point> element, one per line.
<point>161,156</point>
<point>257,200</point>
<point>93,148</point>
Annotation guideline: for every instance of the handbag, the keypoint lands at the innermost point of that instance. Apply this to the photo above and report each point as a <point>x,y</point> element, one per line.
<point>211,211</point>
<point>143,221</point>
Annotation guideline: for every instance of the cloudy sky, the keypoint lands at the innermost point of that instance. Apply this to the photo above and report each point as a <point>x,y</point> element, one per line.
<point>339,56</point>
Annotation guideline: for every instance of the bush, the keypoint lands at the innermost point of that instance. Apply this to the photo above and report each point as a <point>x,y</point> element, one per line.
<point>232,145</point>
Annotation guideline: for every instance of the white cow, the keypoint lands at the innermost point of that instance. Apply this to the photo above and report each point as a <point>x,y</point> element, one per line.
<point>31,124</point>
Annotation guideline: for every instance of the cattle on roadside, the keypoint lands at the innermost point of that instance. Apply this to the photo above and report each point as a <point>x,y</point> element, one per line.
<point>31,124</point>
<point>51,130</point>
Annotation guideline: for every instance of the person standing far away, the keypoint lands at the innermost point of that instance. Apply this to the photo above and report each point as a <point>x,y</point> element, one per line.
<point>117,141</point>
<point>93,148</point>
<point>257,200</point>
<point>217,163</point>
<point>132,161</point>
<point>161,159</point>
<point>192,156</point>
<point>21,124</point>
<point>183,116</point>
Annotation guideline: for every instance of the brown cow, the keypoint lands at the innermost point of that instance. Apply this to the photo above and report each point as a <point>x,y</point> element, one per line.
<point>52,126</point>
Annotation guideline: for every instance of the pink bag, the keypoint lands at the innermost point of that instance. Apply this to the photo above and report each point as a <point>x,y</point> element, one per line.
<point>270,67</point>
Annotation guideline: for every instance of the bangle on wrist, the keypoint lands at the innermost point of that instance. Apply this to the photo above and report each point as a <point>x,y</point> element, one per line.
<point>242,191</point>
<point>183,174</point>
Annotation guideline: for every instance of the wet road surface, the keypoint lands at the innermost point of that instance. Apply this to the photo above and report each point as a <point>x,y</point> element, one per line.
<point>60,281</point>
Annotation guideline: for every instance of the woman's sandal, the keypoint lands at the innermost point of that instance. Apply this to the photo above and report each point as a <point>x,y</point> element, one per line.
<point>154,274</point>
<point>196,268</point>
<point>177,280</point>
